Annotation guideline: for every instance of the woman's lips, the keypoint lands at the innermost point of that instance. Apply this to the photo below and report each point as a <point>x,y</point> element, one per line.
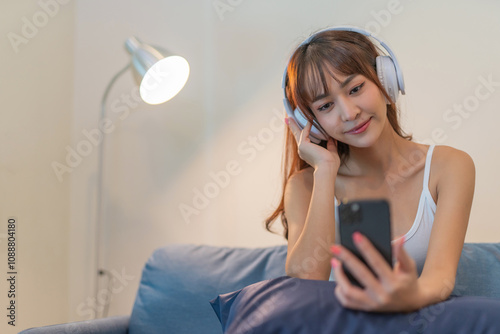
<point>360,128</point>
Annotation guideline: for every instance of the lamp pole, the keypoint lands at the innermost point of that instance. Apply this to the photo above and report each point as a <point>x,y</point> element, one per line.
<point>99,269</point>
<point>169,74</point>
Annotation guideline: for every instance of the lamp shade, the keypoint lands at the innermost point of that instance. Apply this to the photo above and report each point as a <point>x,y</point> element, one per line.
<point>159,74</point>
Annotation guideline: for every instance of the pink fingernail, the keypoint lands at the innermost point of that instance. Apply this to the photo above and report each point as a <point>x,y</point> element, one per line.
<point>357,237</point>
<point>334,263</point>
<point>286,120</point>
<point>335,249</point>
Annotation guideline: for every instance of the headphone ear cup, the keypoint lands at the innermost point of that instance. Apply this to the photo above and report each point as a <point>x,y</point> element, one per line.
<point>316,135</point>
<point>386,72</point>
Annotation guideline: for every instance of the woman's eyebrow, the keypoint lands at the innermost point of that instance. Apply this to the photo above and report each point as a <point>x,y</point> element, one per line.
<point>319,97</point>
<point>349,79</point>
<point>342,85</point>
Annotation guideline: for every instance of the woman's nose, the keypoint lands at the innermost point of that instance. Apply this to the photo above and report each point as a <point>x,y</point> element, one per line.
<point>348,110</point>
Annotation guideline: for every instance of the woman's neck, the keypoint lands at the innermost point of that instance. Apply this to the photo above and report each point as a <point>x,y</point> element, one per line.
<point>384,156</point>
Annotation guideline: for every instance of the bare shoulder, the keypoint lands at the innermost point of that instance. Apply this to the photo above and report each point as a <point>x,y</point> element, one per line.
<point>452,165</point>
<point>447,158</point>
<point>298,192</point>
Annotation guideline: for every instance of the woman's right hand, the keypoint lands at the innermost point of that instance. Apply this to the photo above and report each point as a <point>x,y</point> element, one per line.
<point>315,155</point>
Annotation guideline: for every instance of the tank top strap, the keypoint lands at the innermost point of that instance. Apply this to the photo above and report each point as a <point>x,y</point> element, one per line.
<point>427,170</point>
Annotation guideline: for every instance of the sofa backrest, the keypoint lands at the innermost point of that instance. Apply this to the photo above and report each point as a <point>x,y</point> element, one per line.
<point>178,281</point>
<point>478,272</point>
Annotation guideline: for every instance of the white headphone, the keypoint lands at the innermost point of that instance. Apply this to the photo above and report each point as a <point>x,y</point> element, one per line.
<point>388,71</point>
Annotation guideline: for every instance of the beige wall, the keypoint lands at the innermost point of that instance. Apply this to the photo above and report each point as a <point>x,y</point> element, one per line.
<point>36,92</point>
<point>225,122</point>
<point>158,158</point>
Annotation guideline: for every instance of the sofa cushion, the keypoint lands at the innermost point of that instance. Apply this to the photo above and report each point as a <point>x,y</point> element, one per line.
<point>178,281</point>
<point>280,305</point>
<point>287,305</point>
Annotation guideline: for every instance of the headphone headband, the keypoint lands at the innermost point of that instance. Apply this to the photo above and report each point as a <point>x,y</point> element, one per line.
<point>366,33</point>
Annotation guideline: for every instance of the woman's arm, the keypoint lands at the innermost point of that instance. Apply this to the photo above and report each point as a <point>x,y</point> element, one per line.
<point>455,191</point>
<point>309,206</point>
<point>310,213</point>
<point>399,289</point>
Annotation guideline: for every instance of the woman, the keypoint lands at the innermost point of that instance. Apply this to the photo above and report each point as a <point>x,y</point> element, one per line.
<point>332,78</point>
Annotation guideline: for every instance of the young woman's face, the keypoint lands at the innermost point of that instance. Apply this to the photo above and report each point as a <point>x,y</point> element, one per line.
<point>353,111</point>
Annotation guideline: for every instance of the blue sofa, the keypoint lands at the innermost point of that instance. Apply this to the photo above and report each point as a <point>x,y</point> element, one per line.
<point>178,281</point>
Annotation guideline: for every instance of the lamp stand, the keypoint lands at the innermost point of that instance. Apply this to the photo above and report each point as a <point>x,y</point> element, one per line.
<point>99,267</point>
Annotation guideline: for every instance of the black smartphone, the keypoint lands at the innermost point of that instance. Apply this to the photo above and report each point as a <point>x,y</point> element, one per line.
<point>372,219</point>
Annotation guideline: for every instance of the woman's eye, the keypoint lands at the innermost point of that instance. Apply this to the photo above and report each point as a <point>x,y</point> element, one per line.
<point>357,88</point>
<point>325,106</point>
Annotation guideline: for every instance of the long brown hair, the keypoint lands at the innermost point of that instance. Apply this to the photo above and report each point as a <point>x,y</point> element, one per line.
<point>326,53</point>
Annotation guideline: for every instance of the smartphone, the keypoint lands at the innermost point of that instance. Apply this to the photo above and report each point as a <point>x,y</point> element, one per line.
<point>372,219</point>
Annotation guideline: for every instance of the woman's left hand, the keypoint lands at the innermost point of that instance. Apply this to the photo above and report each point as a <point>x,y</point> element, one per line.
<point>392,290</point>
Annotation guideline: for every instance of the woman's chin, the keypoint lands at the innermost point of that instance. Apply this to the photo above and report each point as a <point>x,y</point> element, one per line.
<point>364,142</point>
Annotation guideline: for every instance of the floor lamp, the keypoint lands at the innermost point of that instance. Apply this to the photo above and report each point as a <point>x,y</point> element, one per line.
<point>160,77</point>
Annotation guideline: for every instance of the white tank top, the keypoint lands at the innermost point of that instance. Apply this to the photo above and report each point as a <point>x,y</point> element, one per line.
<point>417,238</point>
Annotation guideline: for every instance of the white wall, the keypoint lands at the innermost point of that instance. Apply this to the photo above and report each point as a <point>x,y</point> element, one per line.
<point>36,91</point>
<point>158,156</point>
